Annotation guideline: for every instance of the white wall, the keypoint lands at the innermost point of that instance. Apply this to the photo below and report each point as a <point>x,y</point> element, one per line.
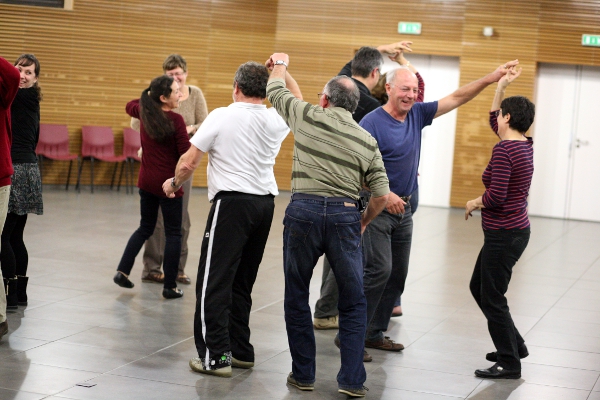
<point>442,77</point>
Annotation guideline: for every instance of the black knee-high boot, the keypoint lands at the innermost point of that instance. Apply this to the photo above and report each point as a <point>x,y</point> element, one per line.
<point>10,286</point>
<point>22,290</point>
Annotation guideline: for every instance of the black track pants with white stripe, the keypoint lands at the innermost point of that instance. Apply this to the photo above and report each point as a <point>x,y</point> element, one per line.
<point>232,248</point>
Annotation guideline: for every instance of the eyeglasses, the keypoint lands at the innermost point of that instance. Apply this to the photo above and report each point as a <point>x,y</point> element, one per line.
<point>323,94</point>
<point>496,113</point>
<point>177,74</point>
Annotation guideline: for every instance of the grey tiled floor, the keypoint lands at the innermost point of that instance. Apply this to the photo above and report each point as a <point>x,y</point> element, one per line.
<point>132,344</point>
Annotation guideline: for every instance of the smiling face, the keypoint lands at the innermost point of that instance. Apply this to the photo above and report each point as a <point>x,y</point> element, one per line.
<point>178,74</point>
<point>402,91</point>
<point>172,101</point>
<point>28,76</point>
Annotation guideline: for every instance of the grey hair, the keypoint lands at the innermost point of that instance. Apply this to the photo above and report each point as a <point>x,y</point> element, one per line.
<point>365,61</point>
<point>391,75</point>
<point>342,92</point>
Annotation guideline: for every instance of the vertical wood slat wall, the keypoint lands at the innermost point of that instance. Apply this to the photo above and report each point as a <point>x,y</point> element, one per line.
<point>103,53</point>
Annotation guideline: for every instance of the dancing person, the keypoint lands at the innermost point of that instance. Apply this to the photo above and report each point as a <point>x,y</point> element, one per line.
<point>364,68</point>
<point>387,240</point>
<point>333,159</point>
<point>9,86</point>
<point>164,139</point>
<point>192,107</point>
<point>506,227</point>
<point>26,189</point>
<point>242,142</point>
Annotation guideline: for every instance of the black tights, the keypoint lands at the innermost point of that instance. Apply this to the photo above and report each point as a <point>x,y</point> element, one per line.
<point>14,257</point>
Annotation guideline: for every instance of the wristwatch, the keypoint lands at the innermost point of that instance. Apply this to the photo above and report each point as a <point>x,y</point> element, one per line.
<point>280,62</point>
<point>173,182</point>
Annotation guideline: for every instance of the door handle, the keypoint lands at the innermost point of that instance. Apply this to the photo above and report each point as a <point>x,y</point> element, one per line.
<point>579,143</point>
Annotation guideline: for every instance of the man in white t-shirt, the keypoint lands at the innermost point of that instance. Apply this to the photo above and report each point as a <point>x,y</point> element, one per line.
<point>242,141</point>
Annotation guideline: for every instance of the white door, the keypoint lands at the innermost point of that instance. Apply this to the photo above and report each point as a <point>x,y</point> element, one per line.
<point>584,199</point>
<point>566,181</point>
<point>442,77</point>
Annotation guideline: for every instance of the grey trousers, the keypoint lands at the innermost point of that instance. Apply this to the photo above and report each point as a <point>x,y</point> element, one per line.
<point>155,246</point>
<point>4,196</point>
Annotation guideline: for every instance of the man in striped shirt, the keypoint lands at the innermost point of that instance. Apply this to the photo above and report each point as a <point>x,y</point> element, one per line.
<point>333,159</point>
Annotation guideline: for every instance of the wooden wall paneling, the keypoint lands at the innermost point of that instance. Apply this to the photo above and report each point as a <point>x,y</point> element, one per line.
<point>103,53</point>
<point>515,24</point>
<point>561,25</point>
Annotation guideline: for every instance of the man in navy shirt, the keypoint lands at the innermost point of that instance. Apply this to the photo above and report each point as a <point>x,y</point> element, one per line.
<point>387,240</point>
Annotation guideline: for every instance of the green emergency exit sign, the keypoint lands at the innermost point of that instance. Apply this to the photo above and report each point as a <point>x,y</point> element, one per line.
<point>409,28</point>
<point>590,40</point>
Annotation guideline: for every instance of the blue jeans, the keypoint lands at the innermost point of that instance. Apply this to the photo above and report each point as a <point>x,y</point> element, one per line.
<point>313,227</point>
<point>489,283</point>
<point>386,243</point>
<point>172,212</point>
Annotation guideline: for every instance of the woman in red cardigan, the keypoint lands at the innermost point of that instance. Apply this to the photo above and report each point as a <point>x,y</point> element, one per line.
<point>164,139</point>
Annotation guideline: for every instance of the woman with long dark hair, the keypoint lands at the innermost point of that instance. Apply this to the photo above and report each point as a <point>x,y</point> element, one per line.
<point>164,139</point>
<point>26,189</point>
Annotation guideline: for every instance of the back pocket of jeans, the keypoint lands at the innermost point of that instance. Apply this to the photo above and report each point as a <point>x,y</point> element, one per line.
<point>349,234</point>
<point>298,230</point>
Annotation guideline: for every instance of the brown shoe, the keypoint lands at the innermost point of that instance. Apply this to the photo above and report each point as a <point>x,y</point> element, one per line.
<point>183,278</point>
<point>384,344</point>
<point>3,328</point>
<point>154,277</point>
<point>366,356</point>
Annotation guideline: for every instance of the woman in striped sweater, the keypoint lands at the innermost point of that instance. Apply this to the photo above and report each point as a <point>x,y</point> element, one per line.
<point>503,205</point>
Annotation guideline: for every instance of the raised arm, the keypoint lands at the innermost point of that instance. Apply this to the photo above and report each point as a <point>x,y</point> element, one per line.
<point>503,83</point>
<point>468,92</point>
<point>400,59</point>
<point>290,82</point>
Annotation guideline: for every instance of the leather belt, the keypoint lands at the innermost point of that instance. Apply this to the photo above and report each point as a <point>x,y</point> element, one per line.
<point>303,196</point>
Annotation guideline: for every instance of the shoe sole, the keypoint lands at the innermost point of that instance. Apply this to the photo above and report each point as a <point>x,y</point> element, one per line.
<point>222,372</point>
<point>511,376</point>
<point>235,363</point>
<point>303,388</point>
<point>152,281</point>
<point>384,348</point>
<point>325,327</point>
<point>350,393</point>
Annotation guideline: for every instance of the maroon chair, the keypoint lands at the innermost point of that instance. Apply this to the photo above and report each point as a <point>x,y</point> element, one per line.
<point>131,145</point>
<point>53,144</point>
<point>98,143</point>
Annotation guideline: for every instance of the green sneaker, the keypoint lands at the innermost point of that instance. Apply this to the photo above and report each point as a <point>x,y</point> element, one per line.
<point>218,367</point>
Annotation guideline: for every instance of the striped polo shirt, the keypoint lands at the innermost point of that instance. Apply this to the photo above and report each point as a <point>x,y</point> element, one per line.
<point>507,179</point>
<point>333,156</point>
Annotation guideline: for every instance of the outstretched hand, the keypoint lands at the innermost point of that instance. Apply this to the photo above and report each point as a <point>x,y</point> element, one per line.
<point>503,69</point>
<point>269,64</point>
<point>394,49</point>
<point>511,74</point>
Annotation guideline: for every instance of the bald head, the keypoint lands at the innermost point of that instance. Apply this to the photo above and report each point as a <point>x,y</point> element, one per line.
<point>400,74</point>
<point>342,92</point>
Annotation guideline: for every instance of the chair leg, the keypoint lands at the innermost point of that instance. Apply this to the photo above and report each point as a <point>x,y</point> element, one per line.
<point>92,164</point>
<point>77,186</point>
<point>112,181</point>
<point>69,174</point>
<point>131,174</point>
<point>120,175</point>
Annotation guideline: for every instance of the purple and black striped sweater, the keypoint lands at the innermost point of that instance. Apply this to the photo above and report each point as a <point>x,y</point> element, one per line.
<point>507,179</point>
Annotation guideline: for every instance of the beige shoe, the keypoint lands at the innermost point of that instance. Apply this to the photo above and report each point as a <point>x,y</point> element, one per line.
<point>241,364</point>
<point>197,365</point>
<point>326,323</point>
